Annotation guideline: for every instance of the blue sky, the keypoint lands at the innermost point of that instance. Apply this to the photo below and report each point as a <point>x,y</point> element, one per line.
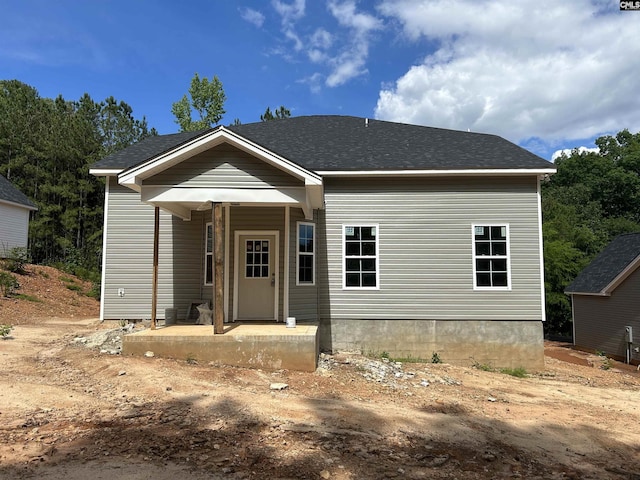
<point>544,74</point>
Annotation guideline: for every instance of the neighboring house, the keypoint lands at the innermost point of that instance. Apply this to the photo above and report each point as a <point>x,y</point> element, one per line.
<point>605,299</point>
<point>15,207</point>
<point>397,238</point>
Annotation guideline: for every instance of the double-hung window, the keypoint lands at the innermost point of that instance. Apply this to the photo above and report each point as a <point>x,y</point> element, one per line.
<point>208,255</point>
<point>491,257</point>
<point>306,253</point>
<point>360,247</point>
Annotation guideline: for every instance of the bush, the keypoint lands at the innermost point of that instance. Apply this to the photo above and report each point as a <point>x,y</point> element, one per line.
<point>5,330</point>
<point>17,259</point>
<point>8,284</point>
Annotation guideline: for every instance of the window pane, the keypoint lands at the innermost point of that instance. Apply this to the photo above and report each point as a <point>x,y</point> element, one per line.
<point>368,265</point>
<point>265,246</point>
<point>499,248</point>
<point>209,269</point>
<point>265,271</point>
<point>353,280</point>
<point>249,272</point>
<point>265,259</point>
<point>481,233</point>
<point>499,279</point>
<point>499,265</point>
<point>368,248</point>
<point>483,279</point>
<point>249,258</point>
<point>353,248</point>
<point>368,233</point>
<point>368,279</point>
<point>209,238</point>
<point>483,265</point>
<point>498,233</point>
<point>352,233</point>
<point>353,265</point>
<point>483,248</point>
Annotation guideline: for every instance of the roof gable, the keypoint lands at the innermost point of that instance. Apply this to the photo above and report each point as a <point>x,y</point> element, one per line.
<point>609,268</point>
<point>135,175</point>
<point>328,143</point>
<point>10,194</point>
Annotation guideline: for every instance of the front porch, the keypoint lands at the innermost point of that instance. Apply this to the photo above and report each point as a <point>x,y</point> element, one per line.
<point>270,346</point>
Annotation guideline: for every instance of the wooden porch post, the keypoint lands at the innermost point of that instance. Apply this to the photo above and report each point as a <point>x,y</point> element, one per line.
<point>218,263</point>
<point>154,288</point>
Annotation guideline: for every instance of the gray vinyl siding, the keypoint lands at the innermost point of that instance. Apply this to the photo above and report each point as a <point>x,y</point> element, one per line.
<point>14,227</point>
<point>599,321</point>
<point>425,247</point>
<point>129,258</point>
<point>224,167</point>
<point>303,299</point>
<point>257,218</point>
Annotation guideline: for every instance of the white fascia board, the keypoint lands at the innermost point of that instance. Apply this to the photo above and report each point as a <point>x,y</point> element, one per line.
<point>437,173</point>
<point>135,175</point>
<point>21,205</point>
<point>591,294</point>
<point>105,172</point>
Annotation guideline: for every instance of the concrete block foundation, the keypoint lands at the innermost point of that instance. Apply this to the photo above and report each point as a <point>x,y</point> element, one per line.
<point>499,344</point>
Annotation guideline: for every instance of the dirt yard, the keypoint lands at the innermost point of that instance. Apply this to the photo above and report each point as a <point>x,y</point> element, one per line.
<point>69,411</point>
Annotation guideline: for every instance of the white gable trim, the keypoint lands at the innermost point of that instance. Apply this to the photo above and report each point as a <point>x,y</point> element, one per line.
<point>622,276</point>
<point>134,176</point>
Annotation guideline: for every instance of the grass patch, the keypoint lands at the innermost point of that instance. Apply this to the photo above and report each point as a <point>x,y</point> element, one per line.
<point>515,372</point>
<point>67,279</point>
<point>485,367</point>
<point>74,287</point>
<point>29,298</point>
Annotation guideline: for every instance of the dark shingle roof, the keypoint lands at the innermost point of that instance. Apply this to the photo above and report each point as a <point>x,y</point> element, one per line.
<point>9,193</point>
<point>145,149</point>
<point>606,267</point>
<point>340,143</point>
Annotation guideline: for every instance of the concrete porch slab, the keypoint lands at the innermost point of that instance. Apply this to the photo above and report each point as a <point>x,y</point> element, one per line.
<point>270,346</point>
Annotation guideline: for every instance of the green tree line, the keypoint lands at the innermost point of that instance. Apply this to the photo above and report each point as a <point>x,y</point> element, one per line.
<point>46,149</point>
<point>591,199</point>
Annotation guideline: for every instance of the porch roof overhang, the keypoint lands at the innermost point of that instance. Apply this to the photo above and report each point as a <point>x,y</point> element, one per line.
<point>180,201</point>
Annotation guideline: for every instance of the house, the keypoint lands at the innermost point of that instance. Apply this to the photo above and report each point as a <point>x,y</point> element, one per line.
<point>605,299</point>
<point>391,237</point>
<point>15,207</point>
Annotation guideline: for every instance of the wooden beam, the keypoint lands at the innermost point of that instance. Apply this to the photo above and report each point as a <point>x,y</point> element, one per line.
<point>154,288</point>
<point>218,263</point>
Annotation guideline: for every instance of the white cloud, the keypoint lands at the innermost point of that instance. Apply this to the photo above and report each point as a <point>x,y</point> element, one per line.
<point>290,13</point>
<point>351,61</point>
<point>569,151</point>
<point>531,68</point>
<point>252,16</point>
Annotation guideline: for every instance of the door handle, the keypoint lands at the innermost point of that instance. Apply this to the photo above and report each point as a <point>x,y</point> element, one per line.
<point>273,279</point>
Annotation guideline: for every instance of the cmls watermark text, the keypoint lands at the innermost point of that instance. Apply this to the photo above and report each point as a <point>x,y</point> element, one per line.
<point>630,5</point>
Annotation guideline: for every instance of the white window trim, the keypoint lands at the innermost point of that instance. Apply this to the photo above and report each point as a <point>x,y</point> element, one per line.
<point>344,256</point>
<point>204,269</point>
<point>298,253</point>
<point>507,256</point>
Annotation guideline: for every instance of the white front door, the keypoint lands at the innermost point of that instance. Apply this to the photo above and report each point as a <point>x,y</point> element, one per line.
<point>256,275</point>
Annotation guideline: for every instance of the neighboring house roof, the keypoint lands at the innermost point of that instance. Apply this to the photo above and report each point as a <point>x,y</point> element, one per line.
<point>610,268</point>
<point>10,194</point>
<point>328,143</point>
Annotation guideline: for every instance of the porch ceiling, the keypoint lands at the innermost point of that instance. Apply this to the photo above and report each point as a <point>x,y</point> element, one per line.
<point>182,201</point>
